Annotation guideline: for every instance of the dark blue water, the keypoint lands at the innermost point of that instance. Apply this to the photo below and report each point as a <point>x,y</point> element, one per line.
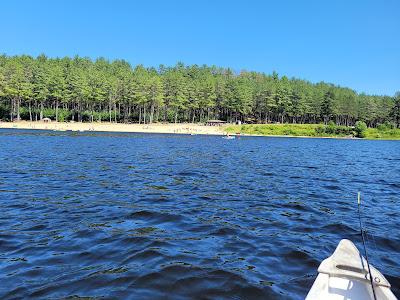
<point>166,216</point>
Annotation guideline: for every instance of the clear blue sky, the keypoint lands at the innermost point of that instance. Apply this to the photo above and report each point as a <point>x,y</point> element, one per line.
<point>354,43</point>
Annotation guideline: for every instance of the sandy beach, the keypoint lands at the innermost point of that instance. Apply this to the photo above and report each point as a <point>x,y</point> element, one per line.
<point>180,128</point>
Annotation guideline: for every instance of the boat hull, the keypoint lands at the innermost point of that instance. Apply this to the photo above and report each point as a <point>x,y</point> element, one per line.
<point>346,275</point>
<point>336,288</point>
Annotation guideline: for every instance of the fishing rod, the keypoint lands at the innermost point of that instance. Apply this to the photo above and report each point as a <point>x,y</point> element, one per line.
<point>365,247</point>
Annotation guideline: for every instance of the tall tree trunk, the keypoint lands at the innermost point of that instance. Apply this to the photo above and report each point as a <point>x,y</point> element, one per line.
<point>157,114</point>
<point>165,113</point>
<point>41,110</point>
<point>110,111</point>
<point>36,106</point>
<point>144,113</point>
<point>126,112</point>
<point>56,110</point>
<point>30,111</point>
<point>18,105</point>
<point>79,112</point>
<point>115,112</point>
<point>12,110</point>
<point>92,113</point>
<point>151,112</point>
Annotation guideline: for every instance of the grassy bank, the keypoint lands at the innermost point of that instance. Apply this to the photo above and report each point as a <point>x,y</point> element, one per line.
<point>383,134</point>
<point>312,130</point>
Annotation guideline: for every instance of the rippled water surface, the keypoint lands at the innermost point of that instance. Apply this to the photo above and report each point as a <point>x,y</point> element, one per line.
<point>167,216</point>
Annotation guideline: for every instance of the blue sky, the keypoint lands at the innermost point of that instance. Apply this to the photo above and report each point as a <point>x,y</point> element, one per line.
<point>354,43</point>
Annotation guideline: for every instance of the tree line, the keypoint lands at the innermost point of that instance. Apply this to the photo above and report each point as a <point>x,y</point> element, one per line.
<point>82,89</point>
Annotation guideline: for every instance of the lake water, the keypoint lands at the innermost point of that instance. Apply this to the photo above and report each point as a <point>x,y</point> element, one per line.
<point>148,216</point>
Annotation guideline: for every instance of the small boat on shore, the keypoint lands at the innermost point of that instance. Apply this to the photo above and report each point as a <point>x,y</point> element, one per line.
<point>346,275</point>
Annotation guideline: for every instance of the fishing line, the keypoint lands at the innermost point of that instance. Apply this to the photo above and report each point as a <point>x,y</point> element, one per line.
<point>375,248</point>
<point>363,240</point>
<point>370,235</point>
<point>368,242</point>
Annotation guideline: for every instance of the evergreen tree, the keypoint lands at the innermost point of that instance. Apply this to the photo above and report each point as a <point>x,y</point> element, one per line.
<point>327,105</point>
<point>396,110</point>
<point>115,91</point>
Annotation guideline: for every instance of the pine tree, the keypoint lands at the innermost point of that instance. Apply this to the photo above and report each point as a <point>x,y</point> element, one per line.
<point>396,110</point>
<point>327,106</point>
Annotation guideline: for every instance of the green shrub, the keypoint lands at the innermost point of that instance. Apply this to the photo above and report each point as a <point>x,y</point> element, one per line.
<point>381,127</point>
<point>386,126</point>
<point>360,129</point>
<point>64,115</point>
<point>49,113</point>
<point>333,130</point>
<point>102,116</point>
<point>331,124</point>
<point>320,130</point>
<point>24,113</point>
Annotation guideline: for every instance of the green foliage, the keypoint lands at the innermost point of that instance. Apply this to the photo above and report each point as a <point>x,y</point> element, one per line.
<point>24,112</point>
<point>360,129</point>
<point>293,130</point>
<point>327,105</point>
<point>86,90</point>
<point>49,113</point>
<point>395,112</point>
<point>101,116</point>
<point>275,129</point>
<point>311,130</point>
<point>375,133</point>
<point>386,126</point>
<point>4,112</point>
<point>64,115</point>
<point>334,130</point>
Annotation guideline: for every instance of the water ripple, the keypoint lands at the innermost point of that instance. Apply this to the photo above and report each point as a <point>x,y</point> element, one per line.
<point>135,216</point>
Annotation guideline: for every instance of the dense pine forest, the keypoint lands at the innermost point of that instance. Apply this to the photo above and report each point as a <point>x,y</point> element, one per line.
<point>80,89</point>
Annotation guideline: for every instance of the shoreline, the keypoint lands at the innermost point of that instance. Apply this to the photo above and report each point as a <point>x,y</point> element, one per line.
<point>319,137</point>
<point>163,128</point>
<point>179,128</point>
